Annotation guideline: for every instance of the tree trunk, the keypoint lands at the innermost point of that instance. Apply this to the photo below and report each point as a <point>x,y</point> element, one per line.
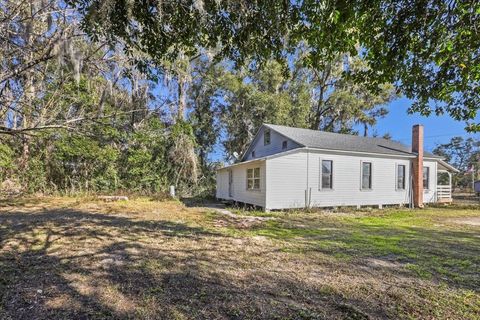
<point>318,112</point>
<point>29,91</point>
<point>182,98</point>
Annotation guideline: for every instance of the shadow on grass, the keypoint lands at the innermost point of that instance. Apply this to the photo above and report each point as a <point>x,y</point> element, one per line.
<point>32,272</point>
<point>443,255</point>
<point>72,264</point>
<point>203,202</point>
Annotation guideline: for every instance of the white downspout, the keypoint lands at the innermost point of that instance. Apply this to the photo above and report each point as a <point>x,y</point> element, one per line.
<point>307,197</point>
<point>410,188</point>
<point>450,184</point>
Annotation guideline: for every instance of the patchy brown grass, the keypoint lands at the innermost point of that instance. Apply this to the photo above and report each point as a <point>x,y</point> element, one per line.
<point>79,258</point>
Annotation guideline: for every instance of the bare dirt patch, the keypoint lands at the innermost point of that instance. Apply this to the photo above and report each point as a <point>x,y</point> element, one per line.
<point>384,263</point>
<point>227,218</point>
<point>472,221</point>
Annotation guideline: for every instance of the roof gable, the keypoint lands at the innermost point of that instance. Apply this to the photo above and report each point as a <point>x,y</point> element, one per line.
<point>275,146</point>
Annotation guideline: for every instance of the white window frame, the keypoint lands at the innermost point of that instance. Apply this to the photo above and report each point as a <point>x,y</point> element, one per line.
<point>265,143</point>
<point>255,176</point>
<point>361,175</point>
<point>428,178</point>
<point>404,177</point>
<point>320,186</point>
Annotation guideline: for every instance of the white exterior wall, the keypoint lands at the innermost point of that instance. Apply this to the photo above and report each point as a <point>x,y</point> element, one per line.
<point>274,147</point>
<point>292,180</point>
<point>430,195</point>
<point>239,186</point>
<point>288,180</point>
<point>222,184</point>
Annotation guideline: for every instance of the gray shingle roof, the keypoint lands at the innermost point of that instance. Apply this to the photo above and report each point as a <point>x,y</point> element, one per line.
<point>336,141</point>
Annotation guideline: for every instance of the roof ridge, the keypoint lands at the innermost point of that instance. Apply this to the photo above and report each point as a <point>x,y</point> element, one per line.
<point>335,133</point>
<point>342,141</point>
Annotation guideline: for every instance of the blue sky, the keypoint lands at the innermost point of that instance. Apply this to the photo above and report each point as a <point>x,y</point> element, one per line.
<point>438,129</point>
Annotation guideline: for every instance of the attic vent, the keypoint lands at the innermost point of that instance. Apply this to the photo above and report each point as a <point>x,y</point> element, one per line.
<point>253,154</point>
<point>284,144</point>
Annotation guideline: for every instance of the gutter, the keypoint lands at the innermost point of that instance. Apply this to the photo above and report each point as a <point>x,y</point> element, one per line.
<point>362,153</point>
<point>308,149</point>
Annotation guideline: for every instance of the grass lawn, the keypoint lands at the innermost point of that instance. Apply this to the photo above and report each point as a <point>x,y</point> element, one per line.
<point>78,258</point>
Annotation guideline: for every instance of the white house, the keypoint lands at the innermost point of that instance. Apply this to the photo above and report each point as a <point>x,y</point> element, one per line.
<point>288,167</point>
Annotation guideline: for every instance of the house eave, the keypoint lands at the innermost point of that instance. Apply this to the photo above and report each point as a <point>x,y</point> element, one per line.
<point>303,149</point>
<point>242,163</point>
<point>448,166</point>
<point>319,150</point>
<point>389,155</point>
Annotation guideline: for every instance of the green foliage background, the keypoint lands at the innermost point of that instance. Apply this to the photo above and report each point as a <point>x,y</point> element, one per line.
<point>105,160</point>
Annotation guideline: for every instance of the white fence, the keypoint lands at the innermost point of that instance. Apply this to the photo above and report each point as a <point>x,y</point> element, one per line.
<point>444,192</point>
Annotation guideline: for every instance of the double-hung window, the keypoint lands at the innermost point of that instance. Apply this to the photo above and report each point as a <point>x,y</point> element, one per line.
<point>400,177</point>
<point>327,174</point>
<point>426,178</point>
<point>253,179</point>
<point>366,175</point>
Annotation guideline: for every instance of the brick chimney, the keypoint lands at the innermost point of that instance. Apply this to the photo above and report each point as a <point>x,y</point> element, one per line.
<point>417,147</point>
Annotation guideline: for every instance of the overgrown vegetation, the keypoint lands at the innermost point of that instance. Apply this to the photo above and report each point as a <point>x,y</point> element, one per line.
<point>120,108</point>
<point>81,258</point>
<point>78,115</point>
<point>429,49</point>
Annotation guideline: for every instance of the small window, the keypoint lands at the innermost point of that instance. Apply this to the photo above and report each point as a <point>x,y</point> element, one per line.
<point>426,178</point>
<point>327,174</point>
<point>253,154</point>
<point>366,175</point>
<point>266,137</point>
<point>401,177</point>
<point>253,179</point>
<point>284,144</point>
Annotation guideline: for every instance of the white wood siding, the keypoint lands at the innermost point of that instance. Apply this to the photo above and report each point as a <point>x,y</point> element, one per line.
<point>430,195</point>
<point>222,184</point>
<point>239,186</point>
<point>288,181</point>
<point>274,147</point>
<point>293,181</point>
